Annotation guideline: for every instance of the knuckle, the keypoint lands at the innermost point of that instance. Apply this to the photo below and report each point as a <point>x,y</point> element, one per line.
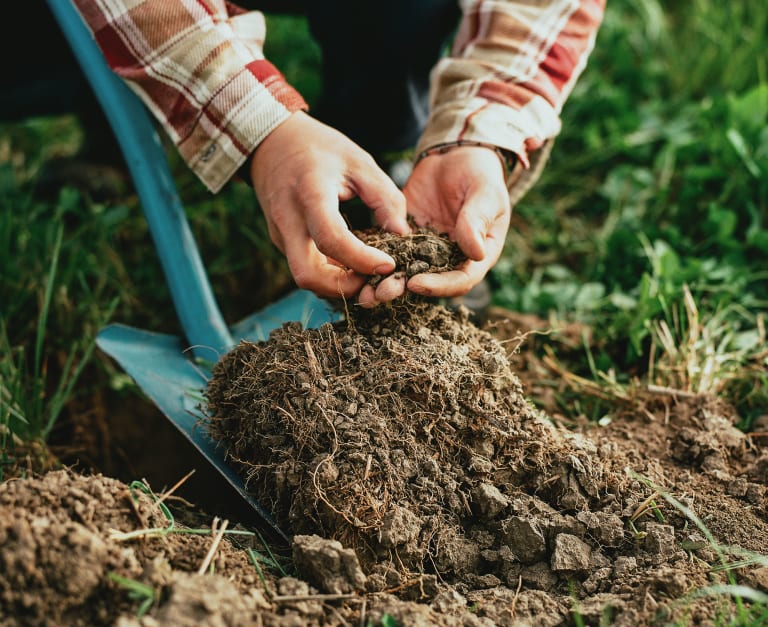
<point>304,279</point>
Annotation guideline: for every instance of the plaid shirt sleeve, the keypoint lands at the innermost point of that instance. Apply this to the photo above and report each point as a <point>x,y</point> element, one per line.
<point>511,68</point>
<point>200,69</point>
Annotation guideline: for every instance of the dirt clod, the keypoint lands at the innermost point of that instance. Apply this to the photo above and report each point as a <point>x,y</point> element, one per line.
<point>327,564</point>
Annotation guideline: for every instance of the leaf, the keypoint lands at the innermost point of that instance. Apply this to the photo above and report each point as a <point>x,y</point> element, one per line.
<point>589,296</point>
<point>750,111</point>
<point>740,146</point>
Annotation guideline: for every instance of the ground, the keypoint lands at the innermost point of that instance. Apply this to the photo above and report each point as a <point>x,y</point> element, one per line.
<point>420,486</point>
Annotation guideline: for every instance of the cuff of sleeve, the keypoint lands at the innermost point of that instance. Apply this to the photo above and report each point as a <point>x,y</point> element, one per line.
<point>482,121</point>
<point>251,110</point>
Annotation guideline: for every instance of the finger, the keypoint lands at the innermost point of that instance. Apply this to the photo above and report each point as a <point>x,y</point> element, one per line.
<point>448,284</point>
<point>390,288</point>
<point>387,290</point>
<point>367,297</point>
<point>311,270</point>
<point>327,229</point>
<point>381,195</point>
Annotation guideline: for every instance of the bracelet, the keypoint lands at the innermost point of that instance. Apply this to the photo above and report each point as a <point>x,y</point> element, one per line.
<point>508,159</point>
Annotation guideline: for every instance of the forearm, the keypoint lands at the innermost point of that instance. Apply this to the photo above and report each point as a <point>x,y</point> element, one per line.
<point>511,69</point>
<point>200,69</point>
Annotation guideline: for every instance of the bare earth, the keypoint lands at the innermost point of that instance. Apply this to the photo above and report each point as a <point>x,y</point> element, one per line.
<point>420,485</point>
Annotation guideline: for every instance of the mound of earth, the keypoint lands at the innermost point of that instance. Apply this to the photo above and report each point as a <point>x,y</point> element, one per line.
<point>404,435</point>
<point>420,485</point>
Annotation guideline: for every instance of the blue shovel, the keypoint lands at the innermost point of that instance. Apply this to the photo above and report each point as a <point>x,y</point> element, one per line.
<point>173,371</point>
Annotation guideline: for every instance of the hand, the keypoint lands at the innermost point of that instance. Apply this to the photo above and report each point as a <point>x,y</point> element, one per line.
<point>463,193</point>
<point>300,173</point>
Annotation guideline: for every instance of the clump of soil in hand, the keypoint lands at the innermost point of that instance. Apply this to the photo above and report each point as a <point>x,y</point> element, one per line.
<point>422,250</point>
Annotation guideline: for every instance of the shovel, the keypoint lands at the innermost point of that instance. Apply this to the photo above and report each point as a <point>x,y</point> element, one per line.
<point>171,370</point>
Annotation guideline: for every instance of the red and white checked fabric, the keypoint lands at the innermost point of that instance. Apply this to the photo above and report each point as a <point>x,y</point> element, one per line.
<point>199,67</point>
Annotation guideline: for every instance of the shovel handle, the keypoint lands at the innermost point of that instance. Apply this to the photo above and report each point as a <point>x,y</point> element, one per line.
<point>196,306</point>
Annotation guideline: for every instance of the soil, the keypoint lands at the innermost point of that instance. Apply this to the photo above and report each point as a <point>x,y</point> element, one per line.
<point>419,485</point>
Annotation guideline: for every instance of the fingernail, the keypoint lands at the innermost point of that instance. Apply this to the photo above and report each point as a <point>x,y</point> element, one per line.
<point>385,268</point>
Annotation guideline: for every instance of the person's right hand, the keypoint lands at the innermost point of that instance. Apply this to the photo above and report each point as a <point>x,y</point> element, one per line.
<point>300,172</point>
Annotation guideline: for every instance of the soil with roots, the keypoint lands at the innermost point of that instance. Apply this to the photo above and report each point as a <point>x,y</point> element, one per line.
<point>419,485</point>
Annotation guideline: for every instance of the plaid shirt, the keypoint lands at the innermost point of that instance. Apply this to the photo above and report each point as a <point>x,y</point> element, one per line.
<point>199,67</point>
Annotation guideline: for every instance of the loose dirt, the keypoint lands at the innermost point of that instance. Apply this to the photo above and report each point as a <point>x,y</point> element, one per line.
<point>419,484</point>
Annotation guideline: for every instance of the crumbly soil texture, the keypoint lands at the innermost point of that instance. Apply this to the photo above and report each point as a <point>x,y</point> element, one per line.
<point>419,486</point>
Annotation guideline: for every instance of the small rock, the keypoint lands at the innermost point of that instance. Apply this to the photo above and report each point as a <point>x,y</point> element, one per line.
<point>449,601</point>
<point>755,493</point>
<point>489,500</point>
<point>610,530</point>
<point>558,523</point>
<point>599,560</point>
<point>670,581</point>
<point>660,539</point>
<point>570,554</point>
<point>737,487</point>
<point>594,610</point>
<point>624,566</point>
<point>592,582</point>
<point>400,526</point>
<point>417,267</point>
<point>524,538</point>
<point>327,564</point>
<point>456,554</point>
<point>588,519</point>
<point>537,576</point>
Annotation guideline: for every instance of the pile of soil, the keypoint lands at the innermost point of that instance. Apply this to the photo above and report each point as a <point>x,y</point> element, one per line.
<point>420,485</point>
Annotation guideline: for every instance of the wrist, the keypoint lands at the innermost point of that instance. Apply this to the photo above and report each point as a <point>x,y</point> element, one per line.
<point>507,158</point>
<point>244,172</point>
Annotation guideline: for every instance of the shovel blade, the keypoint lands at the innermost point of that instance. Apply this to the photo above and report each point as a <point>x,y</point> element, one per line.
<point>163,367</point>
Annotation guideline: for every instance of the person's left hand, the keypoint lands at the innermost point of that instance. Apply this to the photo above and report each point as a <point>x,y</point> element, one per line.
<point>463,193</point>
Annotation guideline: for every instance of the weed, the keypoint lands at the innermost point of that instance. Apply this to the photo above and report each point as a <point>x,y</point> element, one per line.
<point>137,591</point>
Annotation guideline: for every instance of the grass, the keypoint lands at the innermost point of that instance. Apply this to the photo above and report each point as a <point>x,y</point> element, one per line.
<point>137,591</point>
<point>657,195</point>
<point>145,594</point>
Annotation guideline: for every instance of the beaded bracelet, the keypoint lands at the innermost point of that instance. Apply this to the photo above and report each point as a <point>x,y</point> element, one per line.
<point>508,159</point>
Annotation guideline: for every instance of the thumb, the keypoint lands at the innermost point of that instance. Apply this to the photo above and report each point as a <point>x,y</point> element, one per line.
<point>474,223</point>
<point>482,223</point>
